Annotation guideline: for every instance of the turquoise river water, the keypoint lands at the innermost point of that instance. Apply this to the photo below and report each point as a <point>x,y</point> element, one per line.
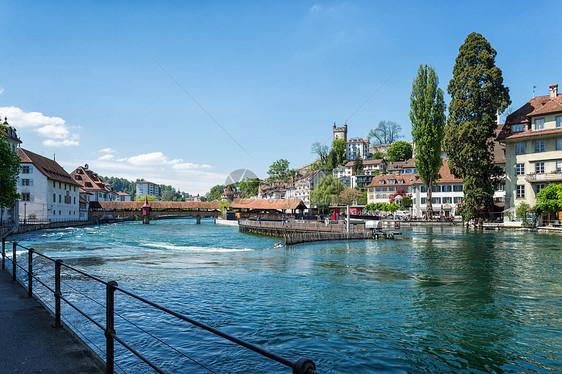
<point>436,300</point>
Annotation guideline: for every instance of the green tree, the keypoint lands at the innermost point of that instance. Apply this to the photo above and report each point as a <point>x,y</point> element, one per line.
<point>357,166</point>
<point>427,113</point>
<point>122,185</point>
<point>9,170</point>
<point>387,132</point>
<point>249,187</point>
<point>142,197</point>
<point>325,192</point>
<point>215,193</point>
<point>279,171</point>
<point>400,151</point>
<point>407,202</point>
<point>477,95</point>
<point>378,155</point>
<point>549,199</point>
<point>523,211</point>
<point>338,146</point>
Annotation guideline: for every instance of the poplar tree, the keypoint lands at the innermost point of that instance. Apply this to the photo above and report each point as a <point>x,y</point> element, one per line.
<point>477,96</point>
<point>427,113</point>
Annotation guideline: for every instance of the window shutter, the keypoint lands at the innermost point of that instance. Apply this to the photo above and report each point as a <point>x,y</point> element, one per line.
<point>19,182</point>
<point>30,169</point>
<point>31,182</point>
<point>31,198</point>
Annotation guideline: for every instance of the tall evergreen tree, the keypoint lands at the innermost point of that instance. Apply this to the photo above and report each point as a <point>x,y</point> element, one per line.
<point>477,95</point>
<point>9,170</point>
<point>427,113</point>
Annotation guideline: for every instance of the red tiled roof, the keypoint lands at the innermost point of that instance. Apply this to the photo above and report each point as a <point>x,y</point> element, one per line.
<point>268,204</point>
<point>407,178</point>
<point>366,162</point>
<point>89,176</point>
<point>539,105</point>
<point>534,133</point>
<point>50,168</point>
<point>155,205</point>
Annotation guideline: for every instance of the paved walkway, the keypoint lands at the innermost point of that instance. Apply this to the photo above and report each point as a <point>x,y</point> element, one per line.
<point>28,343</point>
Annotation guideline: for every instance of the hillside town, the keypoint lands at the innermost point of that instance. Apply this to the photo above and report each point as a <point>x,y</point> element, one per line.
<point>527,148</point>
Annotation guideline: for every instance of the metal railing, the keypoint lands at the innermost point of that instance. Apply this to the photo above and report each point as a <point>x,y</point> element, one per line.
<point>300,366</point>
<point>303,225</point>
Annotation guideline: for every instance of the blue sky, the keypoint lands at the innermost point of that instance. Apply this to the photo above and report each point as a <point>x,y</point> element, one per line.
<point>77,78</point>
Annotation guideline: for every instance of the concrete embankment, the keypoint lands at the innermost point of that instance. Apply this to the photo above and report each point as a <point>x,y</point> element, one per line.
<point>29,342</point>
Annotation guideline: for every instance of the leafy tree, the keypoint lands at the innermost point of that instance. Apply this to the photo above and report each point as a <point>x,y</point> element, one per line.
<point>400,151</point>
<point>321,151</point>
<point>150,198</point>
<point>523,210</point>
<point>279,171</point>
<point>549,199</point>
<point>215,193</point>
<point>9,170</point>
<point>378,155</point>
<point>427,113</point>
<point>169,193</point>
<point>338,146</point>
<point>400,192</point>
<point>477,94</point>
<point>357,166</point>
<point>249,187</point>
<point>387,132</point>
<point>325,192</point>
<point>348,196</point>
<point>407,202</point>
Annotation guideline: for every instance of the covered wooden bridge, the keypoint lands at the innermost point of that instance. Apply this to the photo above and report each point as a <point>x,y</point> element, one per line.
<point>267,208</point>
<point>133,209</point>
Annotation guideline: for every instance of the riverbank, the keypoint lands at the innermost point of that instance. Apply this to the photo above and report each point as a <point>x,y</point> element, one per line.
<point>31,344</point>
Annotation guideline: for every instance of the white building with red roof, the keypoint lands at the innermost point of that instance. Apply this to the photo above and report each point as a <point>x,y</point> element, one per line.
<point>48,192</point>
<point>91,182</point>
<point>533,148</point>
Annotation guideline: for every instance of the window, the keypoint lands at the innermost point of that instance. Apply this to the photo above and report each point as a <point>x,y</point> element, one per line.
<point>520,148</point>
<point>447,200</point>
<point>25,182</point>
<point>539,124</point>
<point>423,189</point>
<point>559,144</point>
<point>54,184</point>
<point>500,187</point>
<point>59,185</point>
<point>559,121</point>
<point>458,199</point>
<point>458,187</point>
<point>517,128</point>
<point>559,166</point>
<point>447,188</point>
<point>539,167</point>
<point>60,199</point>
<point>25,196</point>
<point>436,200</point>
<point>54,198</point>
<point>539,187</point>
<point>520,192</point>
<point>422,200</point>
<point>26,169</point>
<point>519,169</point>
<point>539,146</point>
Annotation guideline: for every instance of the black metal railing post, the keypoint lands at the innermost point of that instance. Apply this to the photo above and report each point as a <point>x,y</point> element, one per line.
<point>58,293</point>
<point>30,272</point>
<point>14,261</point>
<point>3,253</point>
<point>304,366</point>
<point>110,327</point>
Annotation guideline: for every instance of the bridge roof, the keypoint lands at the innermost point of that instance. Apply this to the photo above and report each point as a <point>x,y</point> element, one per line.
<point>268,204</point>
<point>155,205</point>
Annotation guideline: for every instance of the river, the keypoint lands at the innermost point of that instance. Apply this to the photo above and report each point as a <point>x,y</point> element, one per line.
<point>436,300</point>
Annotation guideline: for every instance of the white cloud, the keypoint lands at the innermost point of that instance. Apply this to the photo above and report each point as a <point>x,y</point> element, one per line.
<point>154,158</point>
<point>106,157</point>
<point>315,8</point>
<point>1,91</point>
<point>189,165</point>
<point>52,128</point>
<point>107,150</point>
<point>60,143</point>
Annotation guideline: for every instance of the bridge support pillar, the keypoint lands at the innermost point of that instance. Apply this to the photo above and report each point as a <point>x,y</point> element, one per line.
<point>198,220</point>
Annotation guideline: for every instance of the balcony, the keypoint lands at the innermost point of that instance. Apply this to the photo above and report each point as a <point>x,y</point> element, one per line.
<point>546,177</point>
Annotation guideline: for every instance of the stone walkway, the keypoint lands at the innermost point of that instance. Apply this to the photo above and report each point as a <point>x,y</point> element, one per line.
<point>29,343</point>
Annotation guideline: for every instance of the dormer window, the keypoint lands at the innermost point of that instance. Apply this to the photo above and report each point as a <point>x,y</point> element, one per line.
<point>518,128</point>
<point>539,124</point>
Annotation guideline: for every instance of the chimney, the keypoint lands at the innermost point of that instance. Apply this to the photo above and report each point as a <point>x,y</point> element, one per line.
<point>553,90</point>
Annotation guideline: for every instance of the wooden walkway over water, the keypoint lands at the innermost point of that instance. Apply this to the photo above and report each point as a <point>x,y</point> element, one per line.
<point>296,232</point>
